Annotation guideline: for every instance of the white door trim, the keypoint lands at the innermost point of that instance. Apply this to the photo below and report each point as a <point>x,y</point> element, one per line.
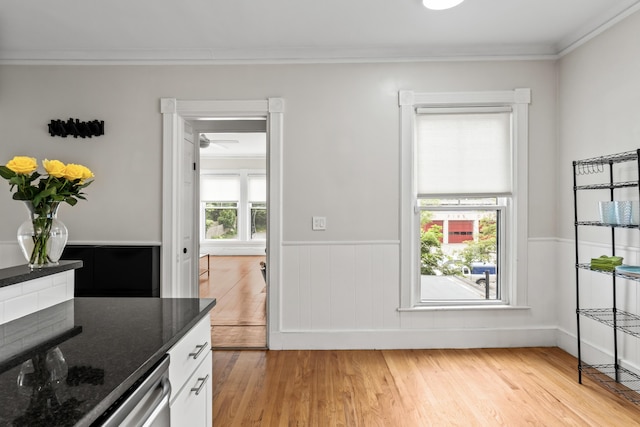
<point>173,110</point>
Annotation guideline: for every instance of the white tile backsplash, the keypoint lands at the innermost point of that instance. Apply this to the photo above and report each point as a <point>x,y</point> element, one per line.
<point>27,297</point>
<point>36,285</point>
<point>10,292</point>
<point>52,295</point>
<point>28,331</point>
<point>20,306</point>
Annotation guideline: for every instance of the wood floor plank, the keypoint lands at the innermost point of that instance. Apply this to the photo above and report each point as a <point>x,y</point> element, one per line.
<point>476,387</point>
<point>239,318</point>
<point>238,336</point>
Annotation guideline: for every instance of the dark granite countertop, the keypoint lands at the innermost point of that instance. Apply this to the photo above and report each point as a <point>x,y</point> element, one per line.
<point>22,273</point>
<point>103,344</point>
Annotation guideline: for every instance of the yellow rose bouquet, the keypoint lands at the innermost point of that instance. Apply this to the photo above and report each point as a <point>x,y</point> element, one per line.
<point>42,195</point>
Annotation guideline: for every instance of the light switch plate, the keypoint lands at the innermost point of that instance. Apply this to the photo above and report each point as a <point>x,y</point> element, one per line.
<point>319,223</point>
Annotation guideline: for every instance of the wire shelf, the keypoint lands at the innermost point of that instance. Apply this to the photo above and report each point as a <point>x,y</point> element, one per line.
<point>604,224</point>
<point>625,184</point>
<point>627,386</point>
<point>612,158</point>
<point>624,321</point>
<point>587,266</point>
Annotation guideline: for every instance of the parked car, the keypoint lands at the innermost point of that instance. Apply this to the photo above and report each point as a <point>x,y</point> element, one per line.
<point>477,272</point>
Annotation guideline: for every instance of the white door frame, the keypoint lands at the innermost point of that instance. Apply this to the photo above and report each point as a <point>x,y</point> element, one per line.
<point>173,111</point>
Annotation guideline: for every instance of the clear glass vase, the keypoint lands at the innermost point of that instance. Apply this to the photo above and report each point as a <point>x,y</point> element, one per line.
<point>43,237</point>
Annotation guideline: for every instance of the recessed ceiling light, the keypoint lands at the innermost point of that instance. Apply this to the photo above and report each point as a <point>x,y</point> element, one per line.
<point>440,4</point>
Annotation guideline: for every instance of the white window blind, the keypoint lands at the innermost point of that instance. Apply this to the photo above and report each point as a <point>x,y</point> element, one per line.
<point>464,152</point>
<point>220,188</point>
<point>257,188</point>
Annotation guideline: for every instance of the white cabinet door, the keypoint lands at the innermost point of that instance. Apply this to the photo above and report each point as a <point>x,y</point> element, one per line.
<point>193,405</point>
<point>190,371</point>
<point>187,354</point>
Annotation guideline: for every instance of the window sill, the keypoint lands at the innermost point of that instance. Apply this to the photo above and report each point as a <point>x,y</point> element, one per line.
<point>498,307</point>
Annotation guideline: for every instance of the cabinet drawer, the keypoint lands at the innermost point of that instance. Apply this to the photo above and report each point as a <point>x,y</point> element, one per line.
<point>192,406</point>
<point>187,354</point>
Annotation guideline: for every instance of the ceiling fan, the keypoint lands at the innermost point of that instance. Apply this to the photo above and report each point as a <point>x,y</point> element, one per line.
<point>205,142</point>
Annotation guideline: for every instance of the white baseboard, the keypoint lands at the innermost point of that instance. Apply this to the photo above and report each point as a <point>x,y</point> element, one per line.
<point>591,353</point>
<point>231,251</point>
<point>413,339</point>
<point>568,342</point>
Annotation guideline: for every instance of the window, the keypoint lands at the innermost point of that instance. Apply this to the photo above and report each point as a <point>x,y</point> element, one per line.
<point>234,206</point>
<point>220,195</point>
<point>463,230</point>
<point>257,196</point>
<point>455,256</point>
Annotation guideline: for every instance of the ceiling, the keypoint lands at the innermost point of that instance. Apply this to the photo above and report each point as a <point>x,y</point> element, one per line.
<point>231,137</point>
<point>209,31</point>
<point>235,145</point>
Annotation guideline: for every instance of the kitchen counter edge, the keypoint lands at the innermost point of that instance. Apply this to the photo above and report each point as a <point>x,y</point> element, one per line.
<point>22,273</point>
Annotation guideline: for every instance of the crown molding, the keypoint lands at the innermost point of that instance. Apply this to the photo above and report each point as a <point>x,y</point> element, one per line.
<point>279,56</point>
<point>312,55</point>
<point>593,30</point>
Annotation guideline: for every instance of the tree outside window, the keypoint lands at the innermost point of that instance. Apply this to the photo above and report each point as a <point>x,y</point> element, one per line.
<point>221,219</point>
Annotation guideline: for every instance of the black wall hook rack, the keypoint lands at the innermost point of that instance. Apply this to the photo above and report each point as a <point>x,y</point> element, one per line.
<point>76,128</point>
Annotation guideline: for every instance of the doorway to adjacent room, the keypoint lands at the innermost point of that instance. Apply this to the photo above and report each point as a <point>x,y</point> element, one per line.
<point>176,115</point>
<point>232,227</point>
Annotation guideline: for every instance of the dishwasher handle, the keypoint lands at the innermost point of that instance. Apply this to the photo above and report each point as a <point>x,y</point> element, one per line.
<point>146,402</point>
<point>160,405</point>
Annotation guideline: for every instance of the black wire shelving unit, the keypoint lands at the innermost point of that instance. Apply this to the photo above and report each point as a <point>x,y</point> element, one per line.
<point>612,376</point>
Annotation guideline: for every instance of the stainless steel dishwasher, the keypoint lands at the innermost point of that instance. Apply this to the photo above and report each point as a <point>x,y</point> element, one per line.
<point>148,404</point>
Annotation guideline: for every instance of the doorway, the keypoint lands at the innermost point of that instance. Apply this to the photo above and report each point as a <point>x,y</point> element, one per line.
<point>232,217</point>
<point>175,113</point>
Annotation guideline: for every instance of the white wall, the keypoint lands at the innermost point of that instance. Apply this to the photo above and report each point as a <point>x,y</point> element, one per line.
<point>341,160</point>
<point>341,142</point>
<point>599,111</point>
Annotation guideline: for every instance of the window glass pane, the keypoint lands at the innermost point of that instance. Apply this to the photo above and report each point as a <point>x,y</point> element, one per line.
<point>221,220</point>
<point>220,188</point>
<point>463,153</point>
<point>457,247</point>
<point>257,188</point>
<point>258,221</point>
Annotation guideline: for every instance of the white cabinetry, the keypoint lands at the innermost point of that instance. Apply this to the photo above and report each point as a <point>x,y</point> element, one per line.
<point>190,371</point>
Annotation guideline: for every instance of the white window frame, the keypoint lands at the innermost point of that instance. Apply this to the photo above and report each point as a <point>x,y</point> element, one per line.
<point>244,209</point>
<point>514,287</point>
<point>249,202</point>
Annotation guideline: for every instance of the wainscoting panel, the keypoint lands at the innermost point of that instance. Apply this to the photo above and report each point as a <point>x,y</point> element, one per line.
<point>346,295</point>
<point>350,286</point>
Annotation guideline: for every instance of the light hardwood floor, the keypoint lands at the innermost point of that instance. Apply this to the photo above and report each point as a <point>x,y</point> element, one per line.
<point>239,318</point>
<point>403,388</point>
<point>407,388</point>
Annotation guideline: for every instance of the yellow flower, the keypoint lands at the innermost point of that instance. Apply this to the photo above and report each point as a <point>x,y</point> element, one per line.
<point>86,172</point>
<point>22,164</point>
<point>73,172</point>
<point>54,168</point>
